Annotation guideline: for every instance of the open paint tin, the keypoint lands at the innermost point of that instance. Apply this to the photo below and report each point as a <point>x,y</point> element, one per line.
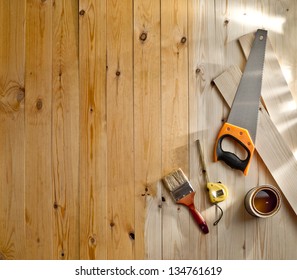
<point>263,201</point>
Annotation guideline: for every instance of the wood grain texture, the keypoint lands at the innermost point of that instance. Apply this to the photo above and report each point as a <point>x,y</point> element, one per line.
<point>175,126</point>
<point>200,75</point>
<point>284,45</point>
<point>212,50</point>
<point>147,129</point>
<point>120,131</point>
<point>101,99</point>
<point>93,131</point>
<point>231,231</point>
<point>38,113</point>
<point>65,130</point>
<point>12,130</point>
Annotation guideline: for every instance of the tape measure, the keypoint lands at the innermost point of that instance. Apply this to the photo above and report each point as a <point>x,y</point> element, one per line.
<point>217,192</point>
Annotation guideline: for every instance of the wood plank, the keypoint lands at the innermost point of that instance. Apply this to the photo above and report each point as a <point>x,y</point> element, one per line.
<point>147,129</point>
<point>230,230</point>
<point>212,49</point>
<point>175,122</point>
<point>201,51</point>
<point>284,45</point>
<point>65,129</point>
<point>120,131</point>
<point>234,237</point>
<point>12,93</point>
<point>270,144</point>
<point>93,133</point>
<point>38,171</point>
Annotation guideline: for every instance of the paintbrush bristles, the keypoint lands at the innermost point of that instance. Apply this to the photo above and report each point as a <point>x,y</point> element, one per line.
<point>175,179</point>
<point>178,184</point>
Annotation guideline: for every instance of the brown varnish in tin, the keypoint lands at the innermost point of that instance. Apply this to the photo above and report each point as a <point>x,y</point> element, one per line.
<point>265,201</point>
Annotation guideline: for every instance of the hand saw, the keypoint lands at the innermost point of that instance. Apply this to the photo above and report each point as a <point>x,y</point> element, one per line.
<point>241,124</point>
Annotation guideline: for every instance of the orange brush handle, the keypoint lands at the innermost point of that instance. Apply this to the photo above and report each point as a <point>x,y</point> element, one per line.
<point>188,201</point>
<point>242,137</point>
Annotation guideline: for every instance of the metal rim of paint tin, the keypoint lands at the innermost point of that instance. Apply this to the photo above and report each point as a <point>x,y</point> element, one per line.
<point>249,201</point>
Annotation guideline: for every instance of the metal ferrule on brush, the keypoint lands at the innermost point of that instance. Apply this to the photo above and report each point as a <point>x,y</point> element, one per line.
<point>181,191</point>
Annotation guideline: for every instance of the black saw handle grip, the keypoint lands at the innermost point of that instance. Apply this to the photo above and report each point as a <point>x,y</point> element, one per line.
<point>242,137</point>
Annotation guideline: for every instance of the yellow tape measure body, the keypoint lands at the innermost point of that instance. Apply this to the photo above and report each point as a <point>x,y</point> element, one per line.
<point>217,192</point>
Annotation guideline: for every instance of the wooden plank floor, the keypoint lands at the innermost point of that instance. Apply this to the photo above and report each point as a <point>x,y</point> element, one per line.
<point>101,99</point>
<point>12,129</point>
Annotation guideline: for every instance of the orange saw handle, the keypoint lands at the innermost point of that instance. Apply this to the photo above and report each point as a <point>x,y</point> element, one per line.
<point>242,137</point>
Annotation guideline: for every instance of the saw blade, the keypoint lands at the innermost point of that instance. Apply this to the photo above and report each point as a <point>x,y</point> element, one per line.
<point>245,107</point>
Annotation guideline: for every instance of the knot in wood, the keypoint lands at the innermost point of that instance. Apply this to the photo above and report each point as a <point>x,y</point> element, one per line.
<point>112,224</point>
<point>143,36</point>
<point>82,12</point>
<point>20,95</point>
<point>39,104</point>
<point>92,240</point>
<point>226,21</point>
<point>183,40</point>
<point>62,254</point>
<point>132,235</point>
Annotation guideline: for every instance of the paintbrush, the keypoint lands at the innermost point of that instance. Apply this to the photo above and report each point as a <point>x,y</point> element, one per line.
<point>183,193</point>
